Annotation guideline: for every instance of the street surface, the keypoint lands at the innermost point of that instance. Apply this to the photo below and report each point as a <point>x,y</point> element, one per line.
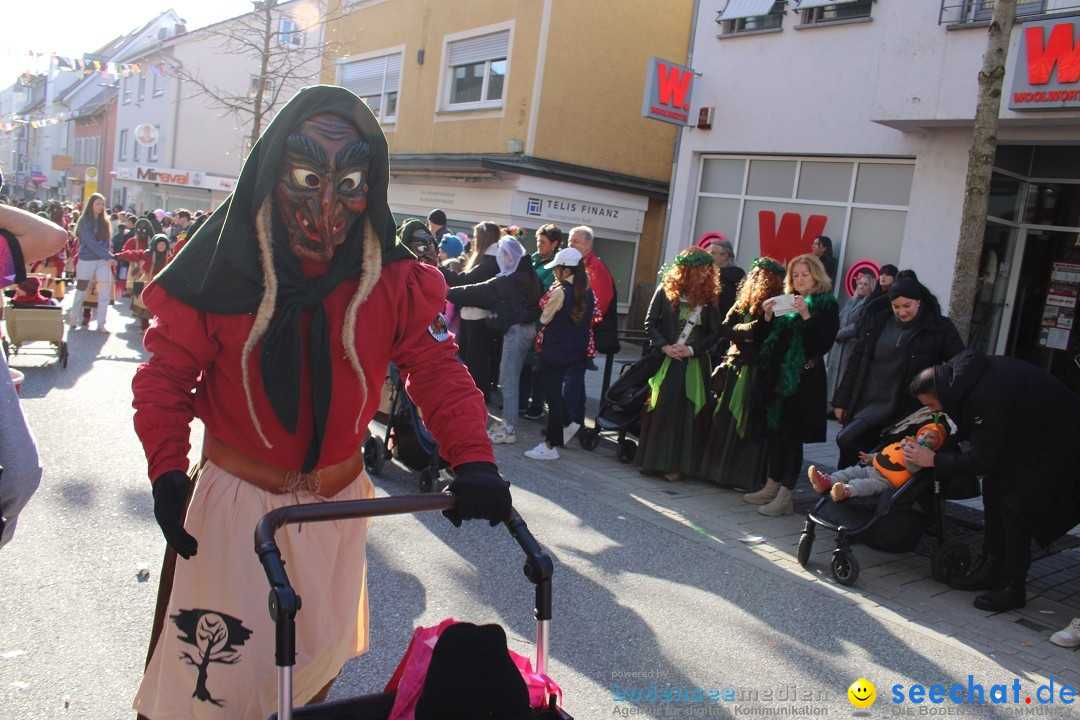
<point>635,602</point>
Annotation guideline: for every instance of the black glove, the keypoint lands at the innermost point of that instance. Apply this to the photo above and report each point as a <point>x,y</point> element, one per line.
<point>170,495</point>
<point>481,493</point>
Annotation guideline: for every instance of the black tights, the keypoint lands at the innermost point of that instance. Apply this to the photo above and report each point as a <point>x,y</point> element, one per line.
<point>785,461</point>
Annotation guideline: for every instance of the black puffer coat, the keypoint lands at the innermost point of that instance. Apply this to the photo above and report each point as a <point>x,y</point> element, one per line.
<point>523,284</point>
<point>935,341</point>
<point>1024,429</point>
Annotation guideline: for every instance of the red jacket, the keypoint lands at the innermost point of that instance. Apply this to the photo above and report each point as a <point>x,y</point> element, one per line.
<point>601,282</point>
<point>201,351</point>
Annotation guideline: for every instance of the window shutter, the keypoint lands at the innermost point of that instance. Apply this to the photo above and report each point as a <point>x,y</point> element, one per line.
<point>737,9</point>
<point>478,49</point>
<point>804,4</point>
<point>366,77</point>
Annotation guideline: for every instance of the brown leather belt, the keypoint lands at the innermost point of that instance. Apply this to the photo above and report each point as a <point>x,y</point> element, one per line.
<point>325,482</point>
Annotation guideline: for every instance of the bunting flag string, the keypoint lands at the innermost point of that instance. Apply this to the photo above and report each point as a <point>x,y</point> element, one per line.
<point>62,63</point>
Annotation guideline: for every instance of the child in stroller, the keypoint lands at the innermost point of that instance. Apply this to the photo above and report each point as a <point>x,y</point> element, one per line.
<point>880,469</point>
<point>910,501</point>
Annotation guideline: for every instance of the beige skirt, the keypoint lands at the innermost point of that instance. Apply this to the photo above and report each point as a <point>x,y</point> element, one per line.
<point>215,655</point>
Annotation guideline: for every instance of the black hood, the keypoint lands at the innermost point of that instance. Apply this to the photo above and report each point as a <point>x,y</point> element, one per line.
<point>955,379</point>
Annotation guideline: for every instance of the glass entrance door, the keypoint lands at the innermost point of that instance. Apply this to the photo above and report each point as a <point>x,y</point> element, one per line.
<point>1044,303</point>
<point>992,315</point>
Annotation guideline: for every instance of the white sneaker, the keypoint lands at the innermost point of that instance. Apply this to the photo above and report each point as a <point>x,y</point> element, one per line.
<point>502,434</point>
<point>569,432</point>
<point>1069,636</point>
<point>542,452</point>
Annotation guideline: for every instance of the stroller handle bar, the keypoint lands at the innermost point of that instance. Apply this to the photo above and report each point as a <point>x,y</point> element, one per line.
<point>284,602</point>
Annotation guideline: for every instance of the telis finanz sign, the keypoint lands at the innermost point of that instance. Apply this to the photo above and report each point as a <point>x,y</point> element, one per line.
<point>1047,72</point>
<point>667,92</point>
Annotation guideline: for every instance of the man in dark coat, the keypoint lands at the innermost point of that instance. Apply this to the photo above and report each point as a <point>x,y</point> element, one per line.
<point>1024,431</point>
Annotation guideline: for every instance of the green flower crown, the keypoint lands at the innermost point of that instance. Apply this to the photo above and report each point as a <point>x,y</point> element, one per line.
<point>697,258</point>
<point>767,263</point>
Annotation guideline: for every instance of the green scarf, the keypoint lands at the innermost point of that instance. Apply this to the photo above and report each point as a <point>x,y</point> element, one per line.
<point>783,351</point>
<point>695,383</point>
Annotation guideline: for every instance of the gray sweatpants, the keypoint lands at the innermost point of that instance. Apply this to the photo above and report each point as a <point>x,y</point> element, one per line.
<point>18,455</point>
<point>864,481</point>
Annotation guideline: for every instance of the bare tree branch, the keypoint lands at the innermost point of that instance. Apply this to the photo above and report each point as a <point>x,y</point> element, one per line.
<point>277,66</point>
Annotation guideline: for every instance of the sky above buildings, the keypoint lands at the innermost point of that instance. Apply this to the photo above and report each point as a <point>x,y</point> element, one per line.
<point>70,28</point>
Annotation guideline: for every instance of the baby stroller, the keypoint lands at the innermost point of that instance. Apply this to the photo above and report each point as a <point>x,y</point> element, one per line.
<point>894,521</point>
<point>284,603</point>
<point>622,404</point>
<point>39,324</point>
<point>406,439</point>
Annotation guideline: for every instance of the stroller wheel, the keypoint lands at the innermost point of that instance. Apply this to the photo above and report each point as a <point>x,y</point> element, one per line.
<point>627,451</point>
<point>951,559</point>
<point>374,454</point>
<point>845,568</point>
<point>589,440</point>
<point>806,543</point>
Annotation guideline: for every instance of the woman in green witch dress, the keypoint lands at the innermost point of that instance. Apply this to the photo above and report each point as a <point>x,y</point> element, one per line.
<point>682,324</point>
<point>735,451</point>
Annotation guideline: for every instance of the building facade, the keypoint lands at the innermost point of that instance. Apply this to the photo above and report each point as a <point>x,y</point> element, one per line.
<point>854,120</point>
<point>521,113</point>
<point>178,143</point>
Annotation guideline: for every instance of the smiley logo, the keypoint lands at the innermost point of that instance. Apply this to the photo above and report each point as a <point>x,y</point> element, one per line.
<point>862,693</point>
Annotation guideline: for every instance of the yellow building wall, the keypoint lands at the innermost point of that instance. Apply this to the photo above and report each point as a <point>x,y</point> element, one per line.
<point>594,82</point>
<point>424,25</point>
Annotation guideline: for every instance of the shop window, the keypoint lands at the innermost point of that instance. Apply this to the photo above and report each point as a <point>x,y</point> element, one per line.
<point>476,76</point>
<point>884,183</point>
<point>376,82</point>
<point>771,178</point>
<point>740,16</point>
<point>825,11</point>
<point>1053,204</point>
<point>722,176</point>
<point>1006,197</point>
<point>825,181</point>
<point>122,145</point>
<point>716,215</point>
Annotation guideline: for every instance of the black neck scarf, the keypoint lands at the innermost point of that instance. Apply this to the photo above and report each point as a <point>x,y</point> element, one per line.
<point>280,360</point>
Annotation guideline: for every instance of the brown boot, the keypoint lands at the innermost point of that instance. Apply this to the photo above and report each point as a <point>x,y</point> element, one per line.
<point>763,495</point>
<point>782,504</point>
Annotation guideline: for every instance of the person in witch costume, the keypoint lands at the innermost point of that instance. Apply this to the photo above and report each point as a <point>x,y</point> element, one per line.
<point>281,314</point>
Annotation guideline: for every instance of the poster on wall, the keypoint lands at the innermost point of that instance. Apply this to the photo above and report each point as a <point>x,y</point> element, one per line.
<point>1059,312</point>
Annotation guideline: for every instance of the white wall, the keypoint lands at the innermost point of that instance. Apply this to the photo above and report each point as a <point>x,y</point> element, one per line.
<point>899,85</point>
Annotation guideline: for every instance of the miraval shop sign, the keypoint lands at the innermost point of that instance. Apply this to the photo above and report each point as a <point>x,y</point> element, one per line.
<point>1047,75</point>
<point>667,92</point>
<point>183,178</point>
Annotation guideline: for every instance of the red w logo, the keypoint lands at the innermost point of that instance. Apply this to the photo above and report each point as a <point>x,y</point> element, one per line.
<point>674,84</point>
<point>790,238</point>
<point>1059,49</point>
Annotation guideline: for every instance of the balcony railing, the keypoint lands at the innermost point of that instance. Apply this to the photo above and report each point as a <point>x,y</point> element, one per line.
<point>961,12</point>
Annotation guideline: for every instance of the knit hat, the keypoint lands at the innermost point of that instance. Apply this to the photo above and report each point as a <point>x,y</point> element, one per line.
<point>889,270</point>
<point>709,238</point>
<point>452,246</point>
<point>906,288</point>
<point>471,677</point>
<point>30,285</point>
<point>437,216</point>
<point>942,430</point>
